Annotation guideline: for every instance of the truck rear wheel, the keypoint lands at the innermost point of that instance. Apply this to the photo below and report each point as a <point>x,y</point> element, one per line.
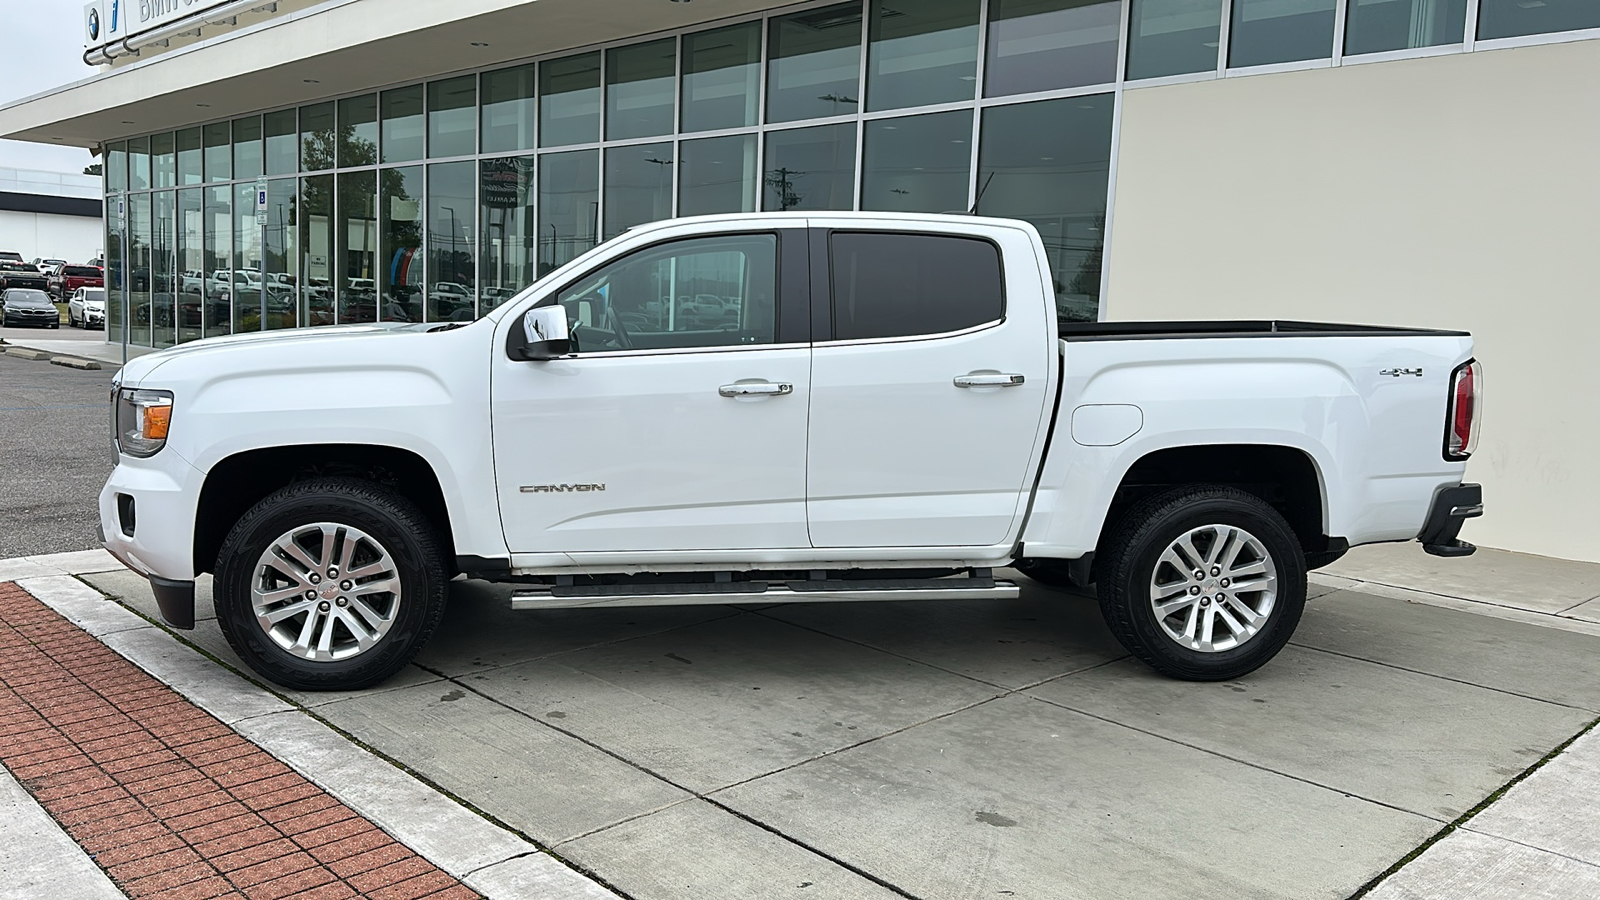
<point>1203,583</point>
<point>330,584</point>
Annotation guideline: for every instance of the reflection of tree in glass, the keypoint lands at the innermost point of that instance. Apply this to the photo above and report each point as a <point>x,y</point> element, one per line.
<point>355,151</point>
<point>1087,281</point>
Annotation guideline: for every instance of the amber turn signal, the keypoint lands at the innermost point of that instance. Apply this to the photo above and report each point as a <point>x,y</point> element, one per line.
<point>156,421</point>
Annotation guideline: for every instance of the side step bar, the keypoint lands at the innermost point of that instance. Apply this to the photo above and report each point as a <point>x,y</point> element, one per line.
<point>590,596</point>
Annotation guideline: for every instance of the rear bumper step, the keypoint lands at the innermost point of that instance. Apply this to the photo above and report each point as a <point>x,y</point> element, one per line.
<point>1452,507</point>
<point>584,596</point>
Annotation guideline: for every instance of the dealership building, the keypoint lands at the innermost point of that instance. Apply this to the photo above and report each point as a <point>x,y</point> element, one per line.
<point>1406,162</point>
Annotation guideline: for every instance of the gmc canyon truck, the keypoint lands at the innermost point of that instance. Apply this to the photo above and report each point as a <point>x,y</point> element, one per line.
<point>778,408</point>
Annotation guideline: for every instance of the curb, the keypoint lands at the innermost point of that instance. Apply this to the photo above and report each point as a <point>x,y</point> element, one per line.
<point>483,855</point>
<point>26,353</point>
<point>74,362</point>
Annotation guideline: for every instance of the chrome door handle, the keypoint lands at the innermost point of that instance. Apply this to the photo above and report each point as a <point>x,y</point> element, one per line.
<point>996,379</point>
<point>747,388</point>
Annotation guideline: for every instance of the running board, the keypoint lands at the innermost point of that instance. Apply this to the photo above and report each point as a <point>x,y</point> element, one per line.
<point>586,596</point>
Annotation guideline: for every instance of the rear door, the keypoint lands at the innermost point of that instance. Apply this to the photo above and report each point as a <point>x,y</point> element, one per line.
<point>930,379</point>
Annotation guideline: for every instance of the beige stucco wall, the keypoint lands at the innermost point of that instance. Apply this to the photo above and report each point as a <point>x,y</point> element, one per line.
<point>1460,191</point>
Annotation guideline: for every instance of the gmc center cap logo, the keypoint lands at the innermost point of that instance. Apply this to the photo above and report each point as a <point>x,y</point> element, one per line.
<point>94,24</point>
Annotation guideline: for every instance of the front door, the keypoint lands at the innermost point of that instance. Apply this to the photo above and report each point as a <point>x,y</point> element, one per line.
<point>679,423</point>
<point>929,398</point>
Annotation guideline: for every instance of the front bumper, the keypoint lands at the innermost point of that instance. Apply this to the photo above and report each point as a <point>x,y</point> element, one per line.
<point>1452,507</point>
<point>147,513</point>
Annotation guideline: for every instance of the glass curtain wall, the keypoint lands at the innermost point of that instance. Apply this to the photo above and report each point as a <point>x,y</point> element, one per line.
<point>163,281</point>
<point>191,264</point>
<point>115,321</point>
<point>279,260</point>
<point>316,250</point>
<point>356,271</point>
<point>139,268</point>
<point>438,201</point>
<point>1048,163</point>
<point>400,244</point>
<point>217,247</point>
<point>244,279</point>
<point>507,259</point>
<point>452,199</point>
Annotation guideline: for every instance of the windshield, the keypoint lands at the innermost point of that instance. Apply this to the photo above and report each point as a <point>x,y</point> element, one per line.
<point>94,296</point>
<point>26,297</point>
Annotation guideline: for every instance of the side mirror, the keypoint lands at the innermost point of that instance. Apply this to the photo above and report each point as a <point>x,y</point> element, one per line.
<point>542,335</point>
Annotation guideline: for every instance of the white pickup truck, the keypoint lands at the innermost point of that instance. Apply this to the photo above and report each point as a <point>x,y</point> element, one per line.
<point>785,407</point>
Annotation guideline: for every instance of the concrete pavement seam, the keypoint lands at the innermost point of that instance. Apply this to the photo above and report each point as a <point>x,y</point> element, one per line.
<point>1485,608</point>
<point>694,794</point>
<point>133,654</point>
<point>1435,675</point>
<point>1467,816</point>
<point>1244,762</point>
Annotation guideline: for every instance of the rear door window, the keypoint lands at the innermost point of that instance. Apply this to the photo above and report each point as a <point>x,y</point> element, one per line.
<point>906,285</point>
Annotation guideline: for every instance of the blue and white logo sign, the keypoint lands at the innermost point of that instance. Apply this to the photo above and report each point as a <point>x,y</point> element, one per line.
<point>94,23</point>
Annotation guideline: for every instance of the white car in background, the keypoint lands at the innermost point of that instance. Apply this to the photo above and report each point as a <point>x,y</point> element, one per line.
<point>87,308</point>
<point>46,266</point>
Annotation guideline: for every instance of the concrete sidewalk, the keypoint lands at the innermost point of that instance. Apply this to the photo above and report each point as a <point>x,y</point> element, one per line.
<point>955,750</point>
<point>84,346</point>
<point>195,801</point>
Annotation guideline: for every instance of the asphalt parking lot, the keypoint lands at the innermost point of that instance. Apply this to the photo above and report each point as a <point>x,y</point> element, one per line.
<point>963,749</point>
<point>54,451</point>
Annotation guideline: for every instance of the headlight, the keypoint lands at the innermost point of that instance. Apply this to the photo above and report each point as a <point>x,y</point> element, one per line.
<point>142,420</point>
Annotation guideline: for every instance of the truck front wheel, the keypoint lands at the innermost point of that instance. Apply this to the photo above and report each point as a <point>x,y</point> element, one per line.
<point>330,584</point>
<point>1203,583</point>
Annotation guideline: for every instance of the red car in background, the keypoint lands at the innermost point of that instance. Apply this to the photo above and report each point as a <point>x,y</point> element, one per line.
<point>68,278</point>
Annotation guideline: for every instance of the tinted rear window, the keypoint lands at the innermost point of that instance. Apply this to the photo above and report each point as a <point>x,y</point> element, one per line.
<point>899,285</point>
<point>82,271</point>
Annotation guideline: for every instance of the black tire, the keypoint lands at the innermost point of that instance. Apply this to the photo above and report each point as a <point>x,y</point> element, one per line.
<point>389,519</point>
<point>1133,550</point>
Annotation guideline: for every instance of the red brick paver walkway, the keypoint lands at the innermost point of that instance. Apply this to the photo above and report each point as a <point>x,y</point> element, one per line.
<point>168,800</point>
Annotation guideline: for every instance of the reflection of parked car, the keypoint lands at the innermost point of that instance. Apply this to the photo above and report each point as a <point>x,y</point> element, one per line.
<point>87,308</point>
<point>28,306</point>
<point>66,279</point>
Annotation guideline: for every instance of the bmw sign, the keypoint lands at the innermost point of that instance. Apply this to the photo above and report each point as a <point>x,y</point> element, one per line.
<point>94,24</point>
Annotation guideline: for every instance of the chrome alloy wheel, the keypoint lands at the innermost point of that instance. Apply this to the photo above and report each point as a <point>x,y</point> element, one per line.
<point>1214,588</point>
<point>325,592</point>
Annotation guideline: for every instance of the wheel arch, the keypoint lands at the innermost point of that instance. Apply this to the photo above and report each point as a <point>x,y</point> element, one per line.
<point>237,482</point>
<point>1286,478</point>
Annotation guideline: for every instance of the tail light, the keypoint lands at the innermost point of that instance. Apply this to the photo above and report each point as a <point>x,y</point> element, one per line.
<point>1466,411</point>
